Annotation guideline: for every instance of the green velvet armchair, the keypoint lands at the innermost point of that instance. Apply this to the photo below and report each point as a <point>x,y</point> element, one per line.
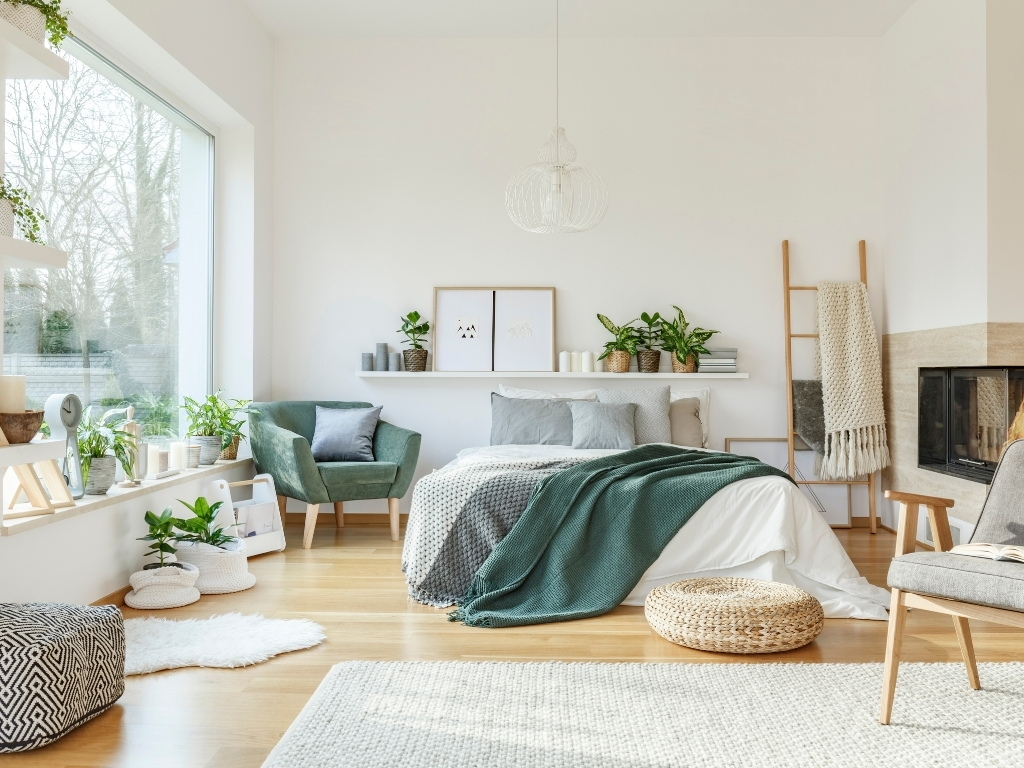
<point>281,434</point>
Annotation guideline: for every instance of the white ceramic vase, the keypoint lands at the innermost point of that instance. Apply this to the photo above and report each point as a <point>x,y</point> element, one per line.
<point>168,587</point>
<point>221,570</point>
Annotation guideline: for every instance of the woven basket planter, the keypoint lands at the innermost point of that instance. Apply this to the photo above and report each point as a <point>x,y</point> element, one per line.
<point>648,360</point>
<point>617,361</point>
<point>6,209</point>
<point>415,359</point>
<point>231,452</point>
<point>690,366</point>
<point>220,570</point>
<point>29,20</point>
<point>167,587</point>
<point>731,615</point>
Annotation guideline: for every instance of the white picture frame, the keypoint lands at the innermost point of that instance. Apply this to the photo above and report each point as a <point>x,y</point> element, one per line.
<point>463,329</point>
<point>524,329</point>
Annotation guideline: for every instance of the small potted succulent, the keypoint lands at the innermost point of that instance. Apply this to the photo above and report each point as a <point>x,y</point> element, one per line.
<point>102,444</point>
<point>648,357</point>
<point>414,328</point>
<point>36,18</point>
<point>213,425</point>
<point>163,584</point>
<point>14,206</point>
<point>620,349</point>
<point>683,346</point>
<point>220,557</point>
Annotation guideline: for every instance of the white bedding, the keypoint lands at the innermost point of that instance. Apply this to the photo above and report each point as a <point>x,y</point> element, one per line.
<point>763,528</point>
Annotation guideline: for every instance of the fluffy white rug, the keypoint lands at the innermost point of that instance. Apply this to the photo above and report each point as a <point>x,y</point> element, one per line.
<point>231,640</point>
<point>420,714</point>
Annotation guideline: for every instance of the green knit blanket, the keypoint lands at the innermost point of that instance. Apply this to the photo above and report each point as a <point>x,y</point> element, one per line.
<point>590,532</point>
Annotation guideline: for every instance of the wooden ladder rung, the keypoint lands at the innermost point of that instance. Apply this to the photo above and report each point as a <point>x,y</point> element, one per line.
<point>803,335</point>
<point>803,287</point>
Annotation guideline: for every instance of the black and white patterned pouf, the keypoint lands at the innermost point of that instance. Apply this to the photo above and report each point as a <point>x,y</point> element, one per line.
<point>60,665</point>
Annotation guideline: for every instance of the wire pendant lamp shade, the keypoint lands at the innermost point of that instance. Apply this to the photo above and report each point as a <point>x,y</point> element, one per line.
<point>555,194</point>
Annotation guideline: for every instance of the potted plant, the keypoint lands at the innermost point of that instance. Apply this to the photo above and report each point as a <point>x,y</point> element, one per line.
<point>163,584</point>
<point>213,424</point>
<point>14,206</point>
<point>648,359</point>
<point>683,346</point>
<point>37,17</point>
<point>620,349</point>
<point>415,357</point>
<point>231,434</point>
<point>220,558</point>
<point>101,443</point>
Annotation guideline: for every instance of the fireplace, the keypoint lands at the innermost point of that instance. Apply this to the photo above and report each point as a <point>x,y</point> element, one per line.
<point>964,418</point>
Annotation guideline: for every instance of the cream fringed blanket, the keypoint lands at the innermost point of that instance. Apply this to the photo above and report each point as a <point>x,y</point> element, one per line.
<point>851,383</point>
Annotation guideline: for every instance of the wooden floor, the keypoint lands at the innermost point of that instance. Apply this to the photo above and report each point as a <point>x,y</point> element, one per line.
<point>352,584</point>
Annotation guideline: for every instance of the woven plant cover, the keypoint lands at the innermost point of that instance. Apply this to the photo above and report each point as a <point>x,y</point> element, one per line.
<point>730,615</point>
<point>221,570</point>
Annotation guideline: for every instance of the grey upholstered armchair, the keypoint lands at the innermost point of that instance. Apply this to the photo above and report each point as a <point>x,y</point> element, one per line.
<point>962,587</point>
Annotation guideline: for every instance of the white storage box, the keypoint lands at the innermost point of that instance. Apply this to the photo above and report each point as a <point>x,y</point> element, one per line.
<point>257,520</point>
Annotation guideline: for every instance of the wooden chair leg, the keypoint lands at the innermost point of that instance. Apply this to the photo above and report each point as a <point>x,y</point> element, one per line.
<point>872,501</point>
<point>312,510</point>
<point>339,513</point>
<point>282,508</point>
<point>393,515</point>
<point>893,645</point>
<point>963,634</point>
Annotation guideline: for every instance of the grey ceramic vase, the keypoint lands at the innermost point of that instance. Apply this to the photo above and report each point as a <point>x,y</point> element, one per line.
<point>209,447</point>
<point>101,475</point>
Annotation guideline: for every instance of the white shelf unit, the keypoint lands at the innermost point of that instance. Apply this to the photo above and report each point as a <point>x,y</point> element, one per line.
<point>540,375</point>
<point>24,254</point>
<point>25,59</point>
<point>30,453</point>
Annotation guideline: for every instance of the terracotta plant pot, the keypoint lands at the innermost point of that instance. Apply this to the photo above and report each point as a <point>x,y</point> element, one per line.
<point>231,452</point>
<point>415,359</point>
<point>617,361</point>
<point>648,360</point>
<point>20,427</point>
<point>690,366</point>
<point>209,447</point>
<point>101,475</point>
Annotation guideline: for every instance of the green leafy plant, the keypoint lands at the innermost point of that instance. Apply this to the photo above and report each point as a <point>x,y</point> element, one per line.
<point>626,337</point>
<point>161,534</point>
<point>650,336</point>
<point>157,414</point>
<point>29,219</point>
<point>215,416</point>
<point>675,339</point>
<point>201,529</point>
<point>99,437</point>
<point>56,22</point>
<point>414,330</point>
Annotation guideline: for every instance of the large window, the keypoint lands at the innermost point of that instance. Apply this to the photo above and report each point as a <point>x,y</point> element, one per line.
<point>125,183</point>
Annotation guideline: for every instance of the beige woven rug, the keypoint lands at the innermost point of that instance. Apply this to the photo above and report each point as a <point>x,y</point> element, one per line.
<point>419,714</point>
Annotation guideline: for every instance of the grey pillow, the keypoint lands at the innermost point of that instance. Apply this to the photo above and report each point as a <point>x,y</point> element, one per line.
<point>603,425</point>
<point>344,434</point>
<point>684,416</point>
<point>652,422</point>
<point>530,422</point>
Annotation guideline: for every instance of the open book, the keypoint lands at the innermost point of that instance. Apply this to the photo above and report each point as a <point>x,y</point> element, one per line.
<point>991,551</point>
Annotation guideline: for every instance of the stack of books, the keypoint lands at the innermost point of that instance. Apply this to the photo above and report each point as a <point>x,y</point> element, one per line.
<point>718,361</point>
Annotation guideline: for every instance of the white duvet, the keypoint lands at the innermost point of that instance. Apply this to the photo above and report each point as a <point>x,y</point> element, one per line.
<point>763,528</point>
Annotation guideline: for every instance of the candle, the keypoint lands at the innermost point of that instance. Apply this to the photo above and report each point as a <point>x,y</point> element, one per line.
<point>141,460</point>
<point>564,362</point>
<point>153,459</point>
<point>162,462</point>
<point>587,362</point>
<point>193,456</point>
<point>176,456</point>
<point>598,365</point>
<point>12,394</point>
<point>574,362</point>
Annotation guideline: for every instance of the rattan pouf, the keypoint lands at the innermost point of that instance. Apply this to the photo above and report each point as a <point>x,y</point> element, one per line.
<point>734,615</point>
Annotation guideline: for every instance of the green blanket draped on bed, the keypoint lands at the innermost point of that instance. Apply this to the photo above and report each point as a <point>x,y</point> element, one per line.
<point>590,532</point>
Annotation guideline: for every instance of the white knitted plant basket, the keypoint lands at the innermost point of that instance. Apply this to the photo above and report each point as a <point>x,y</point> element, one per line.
<point>29,20</point>
<point>167,587</point>
<point>220,570</point>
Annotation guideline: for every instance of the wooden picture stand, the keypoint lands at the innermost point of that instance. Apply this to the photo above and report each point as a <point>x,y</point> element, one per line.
<point>40,502</point>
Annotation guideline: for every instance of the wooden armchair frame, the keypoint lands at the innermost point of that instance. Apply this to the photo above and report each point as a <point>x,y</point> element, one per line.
<point>906,542</point>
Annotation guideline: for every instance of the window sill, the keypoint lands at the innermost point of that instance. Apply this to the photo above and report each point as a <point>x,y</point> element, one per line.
<point>116,495</point>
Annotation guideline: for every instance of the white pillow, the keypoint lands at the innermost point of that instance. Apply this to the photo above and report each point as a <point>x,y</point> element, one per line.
<point>704,396</point>
<point>536,394</point>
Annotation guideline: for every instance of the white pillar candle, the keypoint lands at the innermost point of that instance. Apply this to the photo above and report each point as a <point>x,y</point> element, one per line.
<point>563,362</point>
<point>153,459</point>
<point>176,456</point>
<point>598,366</point>
<point>162,463</point>
<point>574,362</point>
<point>587,362</point>
<point>12,394</point>
<point>141,460</point>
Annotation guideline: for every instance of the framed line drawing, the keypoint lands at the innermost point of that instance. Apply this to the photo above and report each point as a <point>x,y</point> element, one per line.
<point>463,329</point>
<point>524,329</point>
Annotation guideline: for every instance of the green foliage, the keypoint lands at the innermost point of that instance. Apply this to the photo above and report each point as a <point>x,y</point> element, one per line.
<point>626,337</point>
<point>201,529</point>
<point>650,336</point>
<point>413,329</point>
<point>98,437</point>
<point>29,219</point>
<point>215,416</point>
<point>57,329</point>
<point>675,339</point>
<point>161,533</point>
<point>56,22</point>
<point>157,414</point>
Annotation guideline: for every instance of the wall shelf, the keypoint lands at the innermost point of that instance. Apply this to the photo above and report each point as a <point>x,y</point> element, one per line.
<point>30,453</point>
<point>24,254</point>
<point>540,375</point>
<point>25,59</point>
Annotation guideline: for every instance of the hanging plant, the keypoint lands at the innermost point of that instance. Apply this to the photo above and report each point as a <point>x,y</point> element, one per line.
<point>56,22</point>
<point>29,219</point>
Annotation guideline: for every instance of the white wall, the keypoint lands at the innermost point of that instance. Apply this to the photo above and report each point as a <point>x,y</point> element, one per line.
<point>392,156</point>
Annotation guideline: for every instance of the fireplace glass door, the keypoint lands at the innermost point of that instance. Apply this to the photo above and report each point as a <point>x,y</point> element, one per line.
<point>979,415</point>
